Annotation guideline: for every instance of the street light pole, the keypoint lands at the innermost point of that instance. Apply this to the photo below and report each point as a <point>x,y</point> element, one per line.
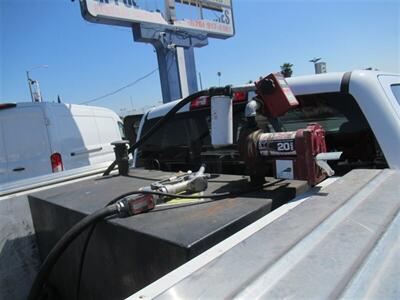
<point>201,83</point>
<point>31,81</point>
<point>30,85</point>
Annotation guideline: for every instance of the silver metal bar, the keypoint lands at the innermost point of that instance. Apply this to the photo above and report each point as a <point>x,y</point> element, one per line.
<point>50,179</point>
<point>86,151</point>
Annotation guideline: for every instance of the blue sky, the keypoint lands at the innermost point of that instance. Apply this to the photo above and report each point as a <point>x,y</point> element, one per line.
<point>88,60</point>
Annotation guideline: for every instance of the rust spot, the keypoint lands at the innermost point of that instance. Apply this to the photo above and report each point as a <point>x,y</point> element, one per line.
<point>211,210</point>
<point>219,205</point>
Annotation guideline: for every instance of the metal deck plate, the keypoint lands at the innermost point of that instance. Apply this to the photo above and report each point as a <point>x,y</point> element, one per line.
<point>343,242</point>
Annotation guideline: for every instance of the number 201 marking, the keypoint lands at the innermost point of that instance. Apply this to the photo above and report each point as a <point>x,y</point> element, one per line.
<point>285,146</point>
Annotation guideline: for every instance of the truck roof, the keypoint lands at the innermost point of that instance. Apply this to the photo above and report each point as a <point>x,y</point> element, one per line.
<point>29,104</point>
<point>328,82</point>
<point>300,85</point>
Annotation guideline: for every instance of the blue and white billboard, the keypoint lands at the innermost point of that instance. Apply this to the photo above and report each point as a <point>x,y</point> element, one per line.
<point>128,12</point>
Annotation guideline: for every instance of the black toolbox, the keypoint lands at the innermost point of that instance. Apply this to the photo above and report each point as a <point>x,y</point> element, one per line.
<point>124,255</point>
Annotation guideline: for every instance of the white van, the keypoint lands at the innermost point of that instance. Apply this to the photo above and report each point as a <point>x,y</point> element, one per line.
<point>39,138</point>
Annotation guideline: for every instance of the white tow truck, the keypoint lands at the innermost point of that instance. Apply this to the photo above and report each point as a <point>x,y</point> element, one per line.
<point>360,112</point>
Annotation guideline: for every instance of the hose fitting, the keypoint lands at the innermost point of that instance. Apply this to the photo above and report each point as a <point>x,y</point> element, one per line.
<point>121,156</point>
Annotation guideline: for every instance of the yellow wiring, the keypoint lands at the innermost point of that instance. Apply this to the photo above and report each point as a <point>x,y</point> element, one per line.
<point>180,200</point>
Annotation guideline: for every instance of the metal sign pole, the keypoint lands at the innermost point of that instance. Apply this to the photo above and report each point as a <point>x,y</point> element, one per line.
<point>175,57</point>
<point>169,73</point>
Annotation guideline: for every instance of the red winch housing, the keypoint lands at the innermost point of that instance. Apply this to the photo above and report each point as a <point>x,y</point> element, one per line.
<point>286,155</point>
<point>293,153</point>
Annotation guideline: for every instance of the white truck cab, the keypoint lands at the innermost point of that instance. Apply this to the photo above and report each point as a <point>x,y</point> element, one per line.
<point>41,138</point>
<point>359,110</point>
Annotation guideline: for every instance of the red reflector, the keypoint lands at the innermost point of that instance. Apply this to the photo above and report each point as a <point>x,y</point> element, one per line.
<point>56,162</point>
<point>7,105</point>
<point>200,102</point>
<point>239,96</point>
<point>205,101</point>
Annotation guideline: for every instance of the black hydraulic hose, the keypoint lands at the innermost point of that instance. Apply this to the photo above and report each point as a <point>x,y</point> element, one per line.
<point>92,228</point>
<point>182,196</point>
<point>109,210</point>
<point>160,123</point>
<point>82,260</point>
<point>166,118</point>
<point>209,196</point>
<point>210,92</point>
<point>62,245</point>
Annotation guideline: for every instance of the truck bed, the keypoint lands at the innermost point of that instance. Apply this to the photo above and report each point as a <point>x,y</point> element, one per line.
<point>343,242</point>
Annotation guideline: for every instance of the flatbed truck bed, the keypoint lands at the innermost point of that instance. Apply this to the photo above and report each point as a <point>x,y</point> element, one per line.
<point>343,242</point>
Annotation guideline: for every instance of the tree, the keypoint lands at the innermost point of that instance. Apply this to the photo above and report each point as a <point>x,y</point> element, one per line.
<point>286,69</point>
<point>219,78</point>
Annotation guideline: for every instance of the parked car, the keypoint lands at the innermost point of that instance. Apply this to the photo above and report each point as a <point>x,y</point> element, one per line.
<point>41,138</point>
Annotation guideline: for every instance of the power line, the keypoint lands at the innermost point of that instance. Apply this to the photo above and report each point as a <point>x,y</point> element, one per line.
<point>121,88</point>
